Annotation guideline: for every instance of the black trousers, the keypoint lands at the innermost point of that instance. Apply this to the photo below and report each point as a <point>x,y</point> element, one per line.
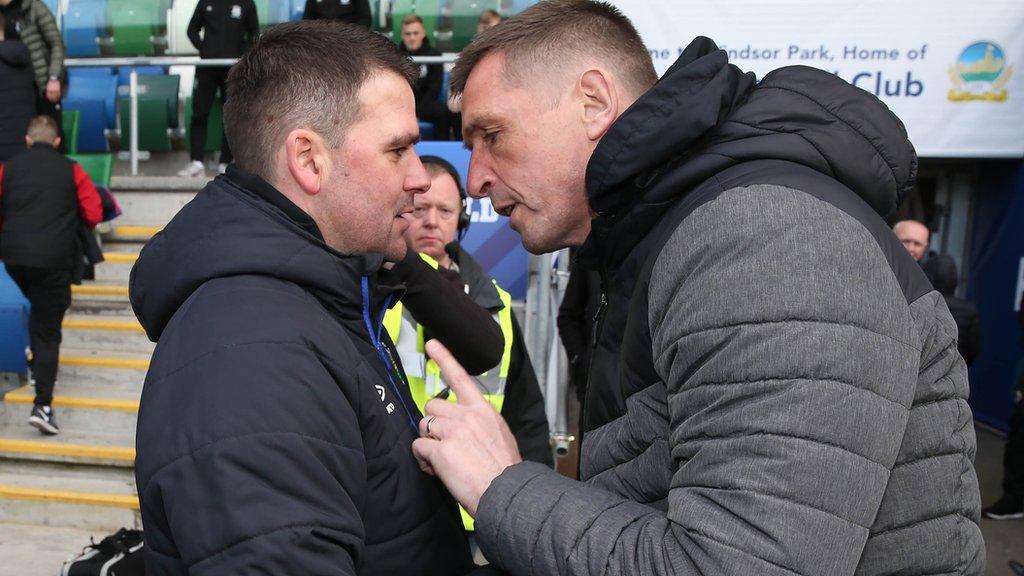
<point>208,82</point>
<point>49,292</point>
<point>1013,457</point>
<point>53,110</point>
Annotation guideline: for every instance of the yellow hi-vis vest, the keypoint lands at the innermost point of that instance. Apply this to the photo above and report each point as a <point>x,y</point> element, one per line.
<point>424,375</point>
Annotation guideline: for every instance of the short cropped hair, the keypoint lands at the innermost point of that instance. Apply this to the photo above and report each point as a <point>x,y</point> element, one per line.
<point>489,15</point>
<point>411,19</point>
<point>42,128</point>
<point>304,74</point>
<point>540,37</point>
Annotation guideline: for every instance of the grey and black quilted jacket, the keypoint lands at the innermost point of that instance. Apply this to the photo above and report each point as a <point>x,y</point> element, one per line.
<point>776,388</point>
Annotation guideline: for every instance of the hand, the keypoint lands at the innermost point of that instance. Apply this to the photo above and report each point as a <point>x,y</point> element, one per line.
<point>469,444</point>
<point>53,90</point>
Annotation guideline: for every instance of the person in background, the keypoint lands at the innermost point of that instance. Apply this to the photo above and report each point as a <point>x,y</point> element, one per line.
<point>941,271</point>
<point>1010,505</point>
<point>576,324</point>
<point>44,199</point>
<point>17,94</point>
<point>488,19</point>
<point>914,235</point>
<point>218,29</point>
<point>428,88</point>
<point>439,221</point>
<point>32,22</point>
<point>351,11</point>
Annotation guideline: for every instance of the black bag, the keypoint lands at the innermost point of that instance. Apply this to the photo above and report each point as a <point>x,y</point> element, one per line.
<point>119,554</point>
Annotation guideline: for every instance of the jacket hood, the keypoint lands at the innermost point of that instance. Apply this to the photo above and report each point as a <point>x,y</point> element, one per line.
<point>705,115</point>
<point>229,231</point>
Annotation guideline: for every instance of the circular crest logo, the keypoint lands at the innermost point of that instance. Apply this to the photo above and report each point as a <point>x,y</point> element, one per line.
<point>981,73</point>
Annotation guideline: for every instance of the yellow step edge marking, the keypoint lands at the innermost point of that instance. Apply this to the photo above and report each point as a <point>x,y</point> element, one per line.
<point>122,454</point>
<point>137,230</point>
<point>69,497</point>
<point>101,362</point>
<point>26,395</point>
<point>99,290</point>
<point>114,325</point>
<point>120,257</point>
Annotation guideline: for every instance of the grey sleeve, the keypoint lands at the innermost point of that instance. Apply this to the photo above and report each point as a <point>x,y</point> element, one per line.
<point>789,357</point>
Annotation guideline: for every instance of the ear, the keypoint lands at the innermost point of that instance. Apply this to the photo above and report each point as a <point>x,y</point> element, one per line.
<point>28,141</point>
<point>56,143</point>
<point>308,160</point>
<point>597,90</point>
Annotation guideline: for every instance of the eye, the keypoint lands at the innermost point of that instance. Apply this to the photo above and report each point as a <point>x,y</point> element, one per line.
<point>491,137</point>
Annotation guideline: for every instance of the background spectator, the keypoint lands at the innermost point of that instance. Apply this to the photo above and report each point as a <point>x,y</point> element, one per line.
<point>351,11</point>
<point>488,19</point>
<point>428,88</point>
<point>576,323</point>
<point>44,200</point>
<point>17,97</point>
<point>32,22</point>
<point>228,28</point>
<point>914,236</point>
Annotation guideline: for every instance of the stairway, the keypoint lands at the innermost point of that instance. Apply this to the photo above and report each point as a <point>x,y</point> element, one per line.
<point>84,477</point>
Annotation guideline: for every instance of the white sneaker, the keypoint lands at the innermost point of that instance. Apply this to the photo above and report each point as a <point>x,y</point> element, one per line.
<point>195,169</point>
<point>222,168</point>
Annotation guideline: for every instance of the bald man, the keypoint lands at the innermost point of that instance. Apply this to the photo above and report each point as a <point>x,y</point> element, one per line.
<point>914,236</point>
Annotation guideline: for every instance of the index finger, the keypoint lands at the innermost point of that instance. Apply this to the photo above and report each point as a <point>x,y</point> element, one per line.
<point>462,384</point>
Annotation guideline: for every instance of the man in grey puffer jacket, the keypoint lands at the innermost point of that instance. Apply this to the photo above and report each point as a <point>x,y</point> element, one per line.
<point>775,387</point>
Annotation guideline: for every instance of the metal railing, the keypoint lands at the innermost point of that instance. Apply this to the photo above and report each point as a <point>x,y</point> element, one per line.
<point>133,82</point>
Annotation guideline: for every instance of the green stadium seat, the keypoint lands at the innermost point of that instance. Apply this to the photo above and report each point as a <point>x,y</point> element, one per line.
<point>158,112</point>
<point>464,15</point>
<point>70,120</point>
<point>137,26</point>
<point>98,166</point>
<point>428,10</point>
<point>214,125</point>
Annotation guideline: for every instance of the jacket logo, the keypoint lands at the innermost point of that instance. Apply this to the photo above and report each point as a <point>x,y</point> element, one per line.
<point>389,406</point>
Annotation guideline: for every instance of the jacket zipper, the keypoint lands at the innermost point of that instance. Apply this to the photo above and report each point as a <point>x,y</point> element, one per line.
<point>595,336</point>
<point>383,353</point>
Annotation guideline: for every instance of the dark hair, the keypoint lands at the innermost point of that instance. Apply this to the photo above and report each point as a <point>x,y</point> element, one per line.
<point>42,128</point>
<point>411,19</point>
<point>304,74</point>
<point>540,38</point>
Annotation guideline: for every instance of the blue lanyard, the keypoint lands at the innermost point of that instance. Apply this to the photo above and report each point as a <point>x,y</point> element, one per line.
<point>390,366</point>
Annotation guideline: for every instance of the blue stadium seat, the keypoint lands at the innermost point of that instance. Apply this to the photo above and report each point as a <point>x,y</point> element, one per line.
<point>299,8</point>
<point>84,23</point>
<point>124,72</point>
<point>91,71</point>
<point>94,98</point>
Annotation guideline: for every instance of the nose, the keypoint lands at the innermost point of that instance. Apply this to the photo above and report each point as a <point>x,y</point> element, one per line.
<point>481,178</point>
<point>417,180</point>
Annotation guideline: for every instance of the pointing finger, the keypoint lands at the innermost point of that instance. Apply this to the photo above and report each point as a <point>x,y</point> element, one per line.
<point>462,384</point>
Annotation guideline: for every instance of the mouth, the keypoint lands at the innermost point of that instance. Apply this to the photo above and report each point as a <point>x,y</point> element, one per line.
<point>506,210</point>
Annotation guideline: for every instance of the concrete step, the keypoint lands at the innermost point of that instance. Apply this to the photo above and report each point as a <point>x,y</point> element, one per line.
<point>34,550</point>
<point>75,411</point>
<point>92,454</point>
<point>104,289</point>
<point>133,232</point>
<point>150,208</point>
<point>67,501</point>
<point>105,333</point>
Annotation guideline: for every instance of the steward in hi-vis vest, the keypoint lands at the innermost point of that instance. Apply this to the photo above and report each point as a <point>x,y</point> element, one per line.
<point>508,381</point>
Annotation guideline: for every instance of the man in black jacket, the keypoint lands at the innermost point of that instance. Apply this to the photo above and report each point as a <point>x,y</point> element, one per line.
<point>275,425</point>
<point>941,271</point>
<point>218,29</point>
<point>351,11</point>
<point>17,97</point>
<point>429,107</point>
<point>44,200</point>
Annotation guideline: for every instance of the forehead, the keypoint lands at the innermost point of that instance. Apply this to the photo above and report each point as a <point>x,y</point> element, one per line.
<point>386,106</point>
<point>412,27</point>
<point>443,191</point>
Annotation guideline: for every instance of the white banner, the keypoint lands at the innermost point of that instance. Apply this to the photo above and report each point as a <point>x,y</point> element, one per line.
<point>951,70</point>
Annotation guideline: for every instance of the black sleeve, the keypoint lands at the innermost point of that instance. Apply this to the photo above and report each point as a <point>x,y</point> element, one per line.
<point>523,408</point>
<point>363,14</point>
<point>970,345</point>
<point>195,25</point>
<point>572,321</point>
<point>449,315</point>
<point>429,89</point>
<point>310,12</point>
